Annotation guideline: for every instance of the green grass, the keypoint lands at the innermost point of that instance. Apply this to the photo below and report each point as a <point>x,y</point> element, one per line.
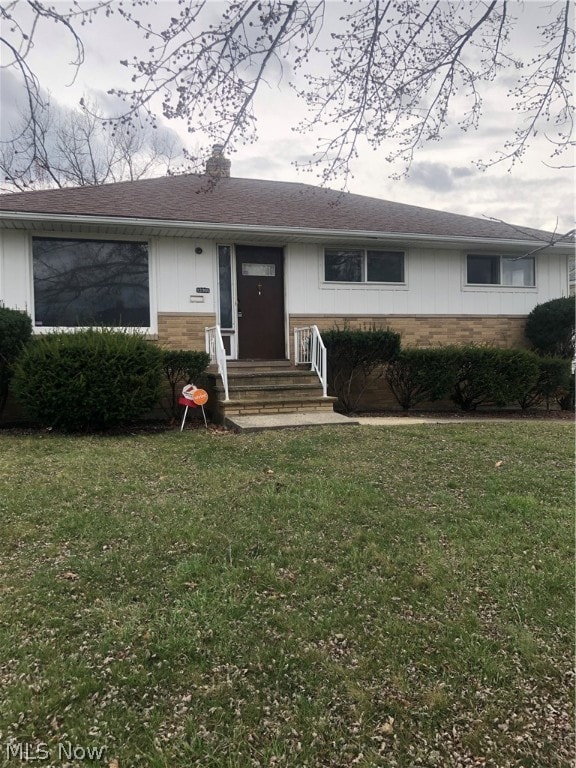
<point>356,597</point>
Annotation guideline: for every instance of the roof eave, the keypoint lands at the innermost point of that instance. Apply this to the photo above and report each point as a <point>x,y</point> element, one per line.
<point>303,234</point>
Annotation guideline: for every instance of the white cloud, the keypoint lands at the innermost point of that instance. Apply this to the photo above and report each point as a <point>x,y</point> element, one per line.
<point>434,176</point>
<point>12,102</point>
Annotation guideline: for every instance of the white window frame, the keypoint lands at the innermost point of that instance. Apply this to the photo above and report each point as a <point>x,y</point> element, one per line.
<point>500,286</point>
<point>151,330</point>
<point>363,284</point>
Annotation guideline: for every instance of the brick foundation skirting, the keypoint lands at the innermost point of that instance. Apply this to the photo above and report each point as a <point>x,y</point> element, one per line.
<point>420,331</point>
<point>183,330</point>
<point>429,331</point>
<point>186,330</point>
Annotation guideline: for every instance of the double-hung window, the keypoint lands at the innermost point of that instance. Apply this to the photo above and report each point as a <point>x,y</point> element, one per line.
<point>359,265</point>
<point>90,283</point>
<point>484,269</point>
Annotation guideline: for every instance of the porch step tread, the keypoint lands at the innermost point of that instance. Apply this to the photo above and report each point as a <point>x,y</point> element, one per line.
<point>239,373</point>
<point>273,373</point>
<point>271,411</point>
<point>269,380</point>
<point>268,383</point>
<point>232,386</point>
<point>258,364</point>
<point>275,399</point>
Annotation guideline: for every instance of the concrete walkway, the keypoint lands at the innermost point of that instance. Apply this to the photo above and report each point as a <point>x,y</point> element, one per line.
<point>260,422</point>
<point>389,421</point>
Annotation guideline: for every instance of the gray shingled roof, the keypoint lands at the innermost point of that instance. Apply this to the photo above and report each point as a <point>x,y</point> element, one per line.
<point>195,199</point>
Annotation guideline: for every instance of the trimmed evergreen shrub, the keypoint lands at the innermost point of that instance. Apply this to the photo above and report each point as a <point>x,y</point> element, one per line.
<point>490,375</point>
<point>353,355</point>
<point>182,367</point>
<point>565,396</point>
<point>15,332</point>
<point>88,380</point>
<point>553,383</point>
<point>421,375</point>
<point>550,327</point>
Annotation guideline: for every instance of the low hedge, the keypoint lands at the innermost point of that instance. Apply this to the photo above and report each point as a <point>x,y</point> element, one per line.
<point>566,395</point>
<point>553,383</point>
<point>421,375</point>
<point>15,332</point>
<point>491,375</point>
<point>353,355</point>
<point>88,380</point>
<point>476,375</point>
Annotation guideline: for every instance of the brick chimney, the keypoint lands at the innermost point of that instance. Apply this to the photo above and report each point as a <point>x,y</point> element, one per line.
<point>218,166</point>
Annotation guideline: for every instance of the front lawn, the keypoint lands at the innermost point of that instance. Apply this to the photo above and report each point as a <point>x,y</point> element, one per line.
<point>370,596</point>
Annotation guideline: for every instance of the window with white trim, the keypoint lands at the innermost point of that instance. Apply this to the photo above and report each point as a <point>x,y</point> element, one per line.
<point>359,265</point>
<point>90,283</point>
<point>487,269</point>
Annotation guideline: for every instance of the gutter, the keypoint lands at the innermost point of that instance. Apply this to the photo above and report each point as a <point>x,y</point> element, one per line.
<point>298,232</point>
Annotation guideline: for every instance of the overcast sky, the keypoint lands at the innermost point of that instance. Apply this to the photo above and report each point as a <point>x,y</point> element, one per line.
<point>443,176</point>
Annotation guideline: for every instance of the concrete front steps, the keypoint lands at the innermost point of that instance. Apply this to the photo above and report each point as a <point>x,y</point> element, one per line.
<point>266,388</point>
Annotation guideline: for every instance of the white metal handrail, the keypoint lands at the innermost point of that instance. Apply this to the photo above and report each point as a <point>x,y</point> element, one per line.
<point>309,349</point>
<point>215,348</point>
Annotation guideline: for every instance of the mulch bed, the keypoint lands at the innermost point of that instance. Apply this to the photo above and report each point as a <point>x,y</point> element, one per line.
<point>138,428</point>
<point>157,427</point>
<point>528,415</point>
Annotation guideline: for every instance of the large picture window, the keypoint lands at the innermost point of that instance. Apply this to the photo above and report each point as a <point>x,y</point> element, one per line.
<point>363,266</point>
<point>482,269</point>
<point>90,283</point>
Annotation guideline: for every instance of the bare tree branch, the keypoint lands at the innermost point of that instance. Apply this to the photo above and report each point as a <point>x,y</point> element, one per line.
<point>544,95</point>
<point>385,73</point>
<point>553,238</point>
<point>64,147</point>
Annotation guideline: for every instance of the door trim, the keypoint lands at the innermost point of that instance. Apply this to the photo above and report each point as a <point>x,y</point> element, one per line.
<point>266,314</point>
<point>232,333</point>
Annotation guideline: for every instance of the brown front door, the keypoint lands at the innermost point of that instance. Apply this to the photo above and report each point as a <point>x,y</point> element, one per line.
<point>260,288</point>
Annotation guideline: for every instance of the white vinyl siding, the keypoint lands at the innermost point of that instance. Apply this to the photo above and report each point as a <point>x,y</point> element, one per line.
<point>435,281</point>
<point>435,285</point>
<point>181,271</point>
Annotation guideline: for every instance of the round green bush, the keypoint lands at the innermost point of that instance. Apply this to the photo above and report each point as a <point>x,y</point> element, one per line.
<point>88,380</point>
<point>550,327</point>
